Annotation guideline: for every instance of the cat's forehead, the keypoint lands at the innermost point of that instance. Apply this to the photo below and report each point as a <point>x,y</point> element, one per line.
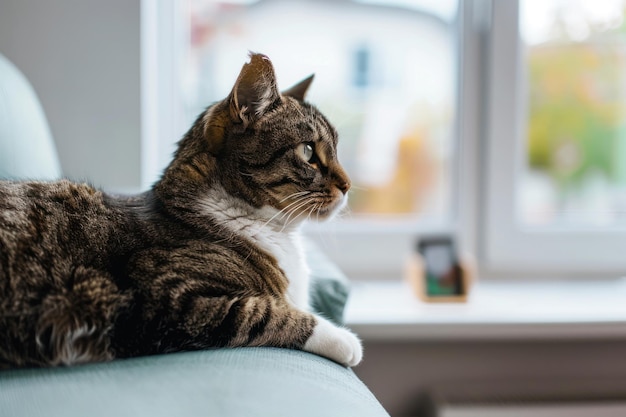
<point>303,119</point>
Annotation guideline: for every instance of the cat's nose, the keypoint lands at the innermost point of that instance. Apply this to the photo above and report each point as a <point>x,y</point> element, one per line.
<point>340,179</point>
<point>343,185</point>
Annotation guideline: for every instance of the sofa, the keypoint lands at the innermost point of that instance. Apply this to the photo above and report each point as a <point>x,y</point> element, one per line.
<point>217,382</point>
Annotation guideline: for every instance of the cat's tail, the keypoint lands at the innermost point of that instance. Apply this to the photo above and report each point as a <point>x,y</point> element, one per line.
<point>75,322</point>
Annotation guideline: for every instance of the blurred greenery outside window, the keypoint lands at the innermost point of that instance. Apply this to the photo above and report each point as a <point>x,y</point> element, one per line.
<point>574,53</point>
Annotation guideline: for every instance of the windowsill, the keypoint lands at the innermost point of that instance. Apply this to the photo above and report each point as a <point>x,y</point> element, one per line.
<point>388,311</point>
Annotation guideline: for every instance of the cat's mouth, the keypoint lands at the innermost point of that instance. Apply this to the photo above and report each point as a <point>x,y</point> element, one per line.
<point>335,206</point>
<point>311,206</point>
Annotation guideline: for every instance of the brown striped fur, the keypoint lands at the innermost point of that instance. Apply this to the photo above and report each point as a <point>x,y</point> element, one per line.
<point>209,257</point>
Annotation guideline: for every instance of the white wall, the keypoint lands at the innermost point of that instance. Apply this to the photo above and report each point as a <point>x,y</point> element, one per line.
<point>83,59</point>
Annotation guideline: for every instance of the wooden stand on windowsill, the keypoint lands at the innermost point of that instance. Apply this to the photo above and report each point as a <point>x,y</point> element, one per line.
<point>416,276</point>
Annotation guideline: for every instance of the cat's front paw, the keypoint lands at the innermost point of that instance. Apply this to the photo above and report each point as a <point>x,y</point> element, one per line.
<point>335,343</point>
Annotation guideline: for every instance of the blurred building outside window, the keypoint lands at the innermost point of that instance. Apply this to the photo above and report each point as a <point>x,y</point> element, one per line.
<point>385,77</point>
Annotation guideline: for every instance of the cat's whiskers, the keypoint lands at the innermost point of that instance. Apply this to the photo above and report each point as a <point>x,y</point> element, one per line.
<point>321,235</point>
<point>345,211</point>
<point>293,210</point>
<point>300,193</point>
<point>308,218</point>
<point>288,208</point>
<point>303,201</point>
<point>358,188</point>
<point>315,208</point>
<point>283,211</point>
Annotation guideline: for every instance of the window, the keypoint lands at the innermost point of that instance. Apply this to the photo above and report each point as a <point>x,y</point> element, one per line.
<point>386,77</point>
<point>503,122</point>
<point>556,188</point>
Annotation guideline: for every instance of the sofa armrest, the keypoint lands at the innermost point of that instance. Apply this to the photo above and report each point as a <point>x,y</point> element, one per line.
<point>238,382</point>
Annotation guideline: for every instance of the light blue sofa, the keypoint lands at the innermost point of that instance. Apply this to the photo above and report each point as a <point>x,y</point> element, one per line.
<point>244,382</point>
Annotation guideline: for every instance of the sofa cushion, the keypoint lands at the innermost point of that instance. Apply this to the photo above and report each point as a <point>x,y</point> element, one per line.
<point>221,382</point>
<point>329,286</point>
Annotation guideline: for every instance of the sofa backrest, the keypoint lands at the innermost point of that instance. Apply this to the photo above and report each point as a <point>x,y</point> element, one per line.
<point>27,149</point>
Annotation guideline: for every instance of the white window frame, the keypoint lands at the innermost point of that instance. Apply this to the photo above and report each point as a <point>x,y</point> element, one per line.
<point>507,246</point>
<point>160,95</point>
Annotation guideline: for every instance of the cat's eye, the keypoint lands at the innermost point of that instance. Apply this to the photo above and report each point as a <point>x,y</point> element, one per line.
<point>306,152</point>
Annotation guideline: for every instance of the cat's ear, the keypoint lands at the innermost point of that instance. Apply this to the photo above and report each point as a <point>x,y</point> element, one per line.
<point>255,91</point>
<point>299,90</point>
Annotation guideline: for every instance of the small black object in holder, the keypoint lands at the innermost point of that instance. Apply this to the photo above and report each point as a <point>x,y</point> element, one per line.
<point>436,271</point>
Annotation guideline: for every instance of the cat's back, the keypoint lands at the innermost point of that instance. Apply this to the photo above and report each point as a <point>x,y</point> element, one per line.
<point>53,220</point>
<point>19,196</point>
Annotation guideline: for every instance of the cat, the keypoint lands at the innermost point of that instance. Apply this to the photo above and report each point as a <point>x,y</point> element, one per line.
<point>210,256</point>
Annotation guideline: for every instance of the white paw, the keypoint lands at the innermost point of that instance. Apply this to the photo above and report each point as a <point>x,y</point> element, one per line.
<point>336,343</point>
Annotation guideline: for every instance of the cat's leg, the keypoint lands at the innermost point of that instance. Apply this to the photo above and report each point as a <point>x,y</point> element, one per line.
<point>263,321</point>
<point>74,322</point>
<point>323,337</point>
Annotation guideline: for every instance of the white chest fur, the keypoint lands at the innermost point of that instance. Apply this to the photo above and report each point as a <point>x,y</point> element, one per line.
<point>284,243</point>
<point>288,250</point>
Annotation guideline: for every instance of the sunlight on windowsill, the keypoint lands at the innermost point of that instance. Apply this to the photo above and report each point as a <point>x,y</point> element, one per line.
<point>388,311</point>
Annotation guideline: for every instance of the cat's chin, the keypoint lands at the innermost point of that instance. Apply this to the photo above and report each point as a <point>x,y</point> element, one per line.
<point>332,210</point>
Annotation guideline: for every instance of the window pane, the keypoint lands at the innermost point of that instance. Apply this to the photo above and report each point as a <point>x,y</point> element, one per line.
<point>385,77</point>
<point>575,66</point>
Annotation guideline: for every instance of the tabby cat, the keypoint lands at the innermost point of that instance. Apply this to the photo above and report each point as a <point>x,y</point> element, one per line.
<point>210,256</point>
